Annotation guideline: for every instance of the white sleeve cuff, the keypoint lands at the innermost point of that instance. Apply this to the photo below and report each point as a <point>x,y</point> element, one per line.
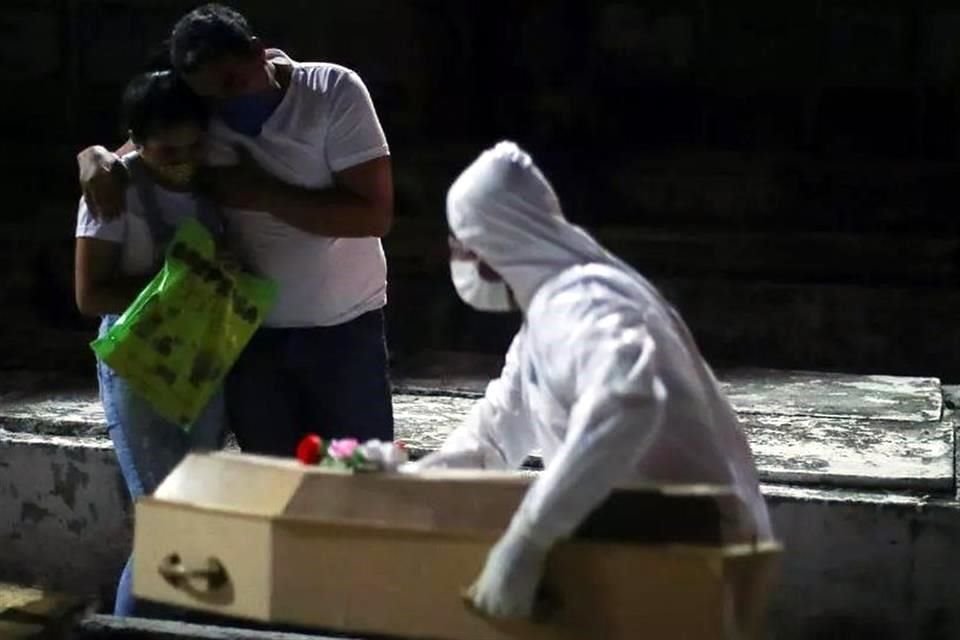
<point>352,160</point>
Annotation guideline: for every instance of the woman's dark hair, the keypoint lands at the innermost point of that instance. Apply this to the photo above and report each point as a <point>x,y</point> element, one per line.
<point>159,100</point>
<point>209,33</point>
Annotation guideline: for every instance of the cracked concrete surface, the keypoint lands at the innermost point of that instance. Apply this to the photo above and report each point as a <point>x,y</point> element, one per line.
<point>805,428</point>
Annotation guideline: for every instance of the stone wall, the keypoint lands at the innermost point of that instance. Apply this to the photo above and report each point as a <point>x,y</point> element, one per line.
<point>717,129</point>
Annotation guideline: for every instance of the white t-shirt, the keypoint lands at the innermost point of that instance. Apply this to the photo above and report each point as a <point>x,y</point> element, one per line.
<point>132,230</point>
<point>325,123</point>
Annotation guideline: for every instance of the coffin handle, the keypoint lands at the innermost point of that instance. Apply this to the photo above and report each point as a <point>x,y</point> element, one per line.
<point>177,574</point>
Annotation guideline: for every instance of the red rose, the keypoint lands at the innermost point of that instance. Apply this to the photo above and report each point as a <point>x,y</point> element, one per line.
<point>310,449</point>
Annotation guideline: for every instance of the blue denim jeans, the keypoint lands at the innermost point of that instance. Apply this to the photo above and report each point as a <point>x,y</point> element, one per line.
<point>332,381</point>
<point>148,448</point>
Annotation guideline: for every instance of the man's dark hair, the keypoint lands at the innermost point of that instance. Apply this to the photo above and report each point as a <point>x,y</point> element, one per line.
<point>159,100</point>
<point>158,58</point>
<point>209,33</point>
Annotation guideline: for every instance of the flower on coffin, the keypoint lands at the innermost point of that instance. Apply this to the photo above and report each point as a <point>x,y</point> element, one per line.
<point>385,456</point>
<point>343,449</point>
<point>348,453</point>
<point>310,450</point>
<point>394,456</point>
<point>372,451</point>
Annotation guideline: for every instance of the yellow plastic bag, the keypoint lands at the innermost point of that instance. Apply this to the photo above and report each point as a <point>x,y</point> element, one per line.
<point>179,338</point>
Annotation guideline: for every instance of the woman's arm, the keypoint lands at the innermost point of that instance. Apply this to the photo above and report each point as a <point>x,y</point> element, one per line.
<point>99,288</point>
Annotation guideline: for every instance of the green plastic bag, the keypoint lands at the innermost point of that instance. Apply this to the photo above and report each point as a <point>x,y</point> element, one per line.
<point>179,338</point>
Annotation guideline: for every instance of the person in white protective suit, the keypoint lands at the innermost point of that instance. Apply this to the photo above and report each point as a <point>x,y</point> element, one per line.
<point>603,378</point>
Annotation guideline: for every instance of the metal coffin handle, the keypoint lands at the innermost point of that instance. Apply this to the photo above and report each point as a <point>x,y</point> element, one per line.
<point>211,575</point>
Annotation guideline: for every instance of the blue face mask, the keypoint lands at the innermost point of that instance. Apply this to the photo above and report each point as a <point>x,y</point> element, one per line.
<point>247,114</point>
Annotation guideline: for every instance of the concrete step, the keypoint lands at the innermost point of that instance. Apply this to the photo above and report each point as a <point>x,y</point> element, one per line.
<point>805,428</point>
<point>28,613</point>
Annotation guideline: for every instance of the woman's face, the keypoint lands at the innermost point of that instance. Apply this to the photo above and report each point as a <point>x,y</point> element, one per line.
<point>174,153</point>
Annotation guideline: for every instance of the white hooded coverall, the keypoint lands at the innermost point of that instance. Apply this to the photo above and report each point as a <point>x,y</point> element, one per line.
<point>603,378</point>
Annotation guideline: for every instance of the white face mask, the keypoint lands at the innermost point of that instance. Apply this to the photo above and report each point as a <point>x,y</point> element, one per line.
<point>479,293</point>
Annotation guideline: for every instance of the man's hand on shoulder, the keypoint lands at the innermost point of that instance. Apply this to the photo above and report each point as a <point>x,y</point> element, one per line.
<point>103,181</point>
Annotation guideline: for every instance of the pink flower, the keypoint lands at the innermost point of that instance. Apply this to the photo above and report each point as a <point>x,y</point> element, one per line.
<point>343,449</point>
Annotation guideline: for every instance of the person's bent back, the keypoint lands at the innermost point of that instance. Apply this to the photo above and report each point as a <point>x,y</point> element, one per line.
<point>603,378</point>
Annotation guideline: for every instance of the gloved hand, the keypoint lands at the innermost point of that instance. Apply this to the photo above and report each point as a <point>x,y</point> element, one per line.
<point>508,585</point>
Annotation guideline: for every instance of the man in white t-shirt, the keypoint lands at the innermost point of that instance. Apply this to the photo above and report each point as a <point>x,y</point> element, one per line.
<point>300,164</point>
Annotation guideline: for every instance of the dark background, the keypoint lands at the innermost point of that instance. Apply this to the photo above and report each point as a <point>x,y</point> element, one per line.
<point>785,171</point>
